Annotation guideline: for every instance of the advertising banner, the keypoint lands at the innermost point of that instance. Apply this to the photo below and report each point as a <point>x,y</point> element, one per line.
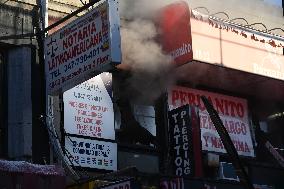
<point>233,112</point>
<point>88,108</point>
<point>83,48</point>
<point>220,43</point>
<point>91,153</point>
<point>174,23</point>
<point>180,129</point>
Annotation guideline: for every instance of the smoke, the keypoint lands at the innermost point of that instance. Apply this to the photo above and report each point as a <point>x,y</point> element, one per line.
<point>150,67</point>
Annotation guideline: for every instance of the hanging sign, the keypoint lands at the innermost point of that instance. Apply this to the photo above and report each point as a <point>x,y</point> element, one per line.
<point>175,36</point>
<point>88,108</point>
<point>83,48</point>
<point>232,111</point>
<point>91,153</point>
<point>180,128</point>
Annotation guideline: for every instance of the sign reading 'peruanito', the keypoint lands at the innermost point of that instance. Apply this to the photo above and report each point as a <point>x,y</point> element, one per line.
<point>233,112</point>
<point>83,48</point>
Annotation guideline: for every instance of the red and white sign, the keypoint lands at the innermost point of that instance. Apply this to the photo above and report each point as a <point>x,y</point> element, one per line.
<point>83,48</point>
<point>232,110</point>
<point>174,23</point>
<point>88,108</point>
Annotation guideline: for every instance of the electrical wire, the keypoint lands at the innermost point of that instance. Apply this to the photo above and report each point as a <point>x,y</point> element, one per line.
<point>53,138</point>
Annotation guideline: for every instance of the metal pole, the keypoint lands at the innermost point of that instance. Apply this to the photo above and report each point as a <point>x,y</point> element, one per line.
<point>228,144</point>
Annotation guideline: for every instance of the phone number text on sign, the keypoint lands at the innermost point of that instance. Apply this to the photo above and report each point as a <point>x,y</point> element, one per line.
<point>78,49</point>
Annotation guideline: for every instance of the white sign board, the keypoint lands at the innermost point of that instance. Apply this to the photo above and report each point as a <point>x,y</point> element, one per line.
<point>91,153</point>
<point>87,46</point>
<point>88,108</point>
<point>232,111</point>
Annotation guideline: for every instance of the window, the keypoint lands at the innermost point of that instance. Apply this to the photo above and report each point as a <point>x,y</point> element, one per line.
<point>135,125</point>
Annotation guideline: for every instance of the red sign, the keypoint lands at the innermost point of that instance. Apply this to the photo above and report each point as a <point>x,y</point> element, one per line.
<point>174,23</point>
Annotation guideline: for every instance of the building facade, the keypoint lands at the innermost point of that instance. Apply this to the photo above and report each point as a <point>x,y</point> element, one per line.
<point>229,51</point>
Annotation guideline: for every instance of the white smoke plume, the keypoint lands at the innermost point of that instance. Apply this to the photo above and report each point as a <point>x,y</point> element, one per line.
<point>141,52</point>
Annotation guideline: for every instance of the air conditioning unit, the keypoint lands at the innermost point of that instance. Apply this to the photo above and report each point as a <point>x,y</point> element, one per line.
<point>227,171</point>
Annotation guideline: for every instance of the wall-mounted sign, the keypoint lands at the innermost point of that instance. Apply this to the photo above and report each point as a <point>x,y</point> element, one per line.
<point>220,44</point>
<point>88,108</point>
<point>180,129</point>
<point>174,23</point>
<point>91,153</point>
<point>233,112</point>
<point>85,47</point>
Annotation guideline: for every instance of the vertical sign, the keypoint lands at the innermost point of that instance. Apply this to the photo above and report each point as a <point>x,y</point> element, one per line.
<point>174,23</point>
<point>83,48</point>
<point>181,141</point>
<point>91,153</point>
<point>88,108</point>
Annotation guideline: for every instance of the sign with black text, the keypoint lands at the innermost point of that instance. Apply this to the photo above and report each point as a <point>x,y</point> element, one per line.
<point>91,153</point>
<point>83,48</point>
<point>181,141</point>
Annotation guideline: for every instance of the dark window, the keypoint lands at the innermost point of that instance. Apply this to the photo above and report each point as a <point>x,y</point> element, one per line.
<point>135,125</point>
